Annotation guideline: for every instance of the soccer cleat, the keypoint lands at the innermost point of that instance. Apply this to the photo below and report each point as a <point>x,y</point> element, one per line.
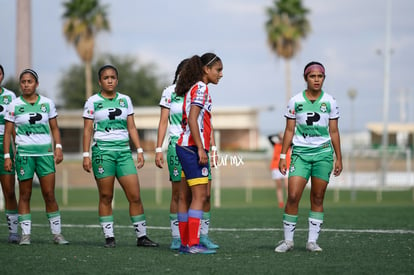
<point>284,246</point>
<point>146,242</point>
<point>205,240</point>
<point>175,244</point>
<point>183,249</point>
<point>59,239</point>
<point>313,247</point>
<point>25,240</point>
<point>200,249</point>
<point>110,242</point>
<point>14,238</point>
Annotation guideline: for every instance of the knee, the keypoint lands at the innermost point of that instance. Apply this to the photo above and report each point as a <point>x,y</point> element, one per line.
<point>293,198</point>
<point>207,199</point>
<point>175,197</point>
<point>317,199</point>
<point>10,196</point>
<point>106,198</point>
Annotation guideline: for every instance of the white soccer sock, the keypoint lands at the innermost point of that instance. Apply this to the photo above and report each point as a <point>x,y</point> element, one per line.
<point>175,232</point>
<point>140,228</point>
<point>205,224</point>
<point>55,225</point>
<point>12,222</point>
<point>108,229</point>
<point>314,229</point>
<point>289,230</point>
<point>26,227</point>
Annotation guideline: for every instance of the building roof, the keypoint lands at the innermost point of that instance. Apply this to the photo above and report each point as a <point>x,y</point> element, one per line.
<point>148,118</point>
<point>392,127</point>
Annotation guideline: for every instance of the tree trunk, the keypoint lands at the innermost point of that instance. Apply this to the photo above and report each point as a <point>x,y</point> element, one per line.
<point>288,81</point>
<point>88,79</point>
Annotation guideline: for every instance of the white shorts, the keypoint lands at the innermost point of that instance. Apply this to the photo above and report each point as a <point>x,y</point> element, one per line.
<point>276,175</point>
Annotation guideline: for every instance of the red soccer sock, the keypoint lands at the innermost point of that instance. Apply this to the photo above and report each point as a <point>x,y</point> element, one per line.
<point>194,225</point>
<point>183,228</point>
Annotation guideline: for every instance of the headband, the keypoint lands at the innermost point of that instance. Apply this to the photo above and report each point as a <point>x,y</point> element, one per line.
<point>211,61</point>
<point>315,67</point>
<point>30,71</point>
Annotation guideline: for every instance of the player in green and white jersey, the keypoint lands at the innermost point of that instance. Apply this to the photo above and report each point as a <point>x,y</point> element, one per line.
<point>34,119</point>
<point>109,118</point>
<point>7,177</point>
<point>312,128</point>
<point>170,117</point>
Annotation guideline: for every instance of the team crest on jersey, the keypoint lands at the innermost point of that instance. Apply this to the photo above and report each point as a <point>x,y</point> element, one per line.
<point>122,102</point>
<point>43,108</point>
<point>101,170</point>
<point>323,108</point>
<point>204,172</point>
<point>6,100</point>
<point>175,172</point>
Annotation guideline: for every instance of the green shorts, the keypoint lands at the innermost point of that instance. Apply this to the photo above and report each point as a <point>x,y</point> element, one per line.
<point>174,165</point>
<point>316,165</point>
<point>26,166</point>
<point>2,171</point>
<point>107,163</point>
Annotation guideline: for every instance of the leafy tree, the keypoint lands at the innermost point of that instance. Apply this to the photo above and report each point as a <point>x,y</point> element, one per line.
<point>83,20</point>
<point>286,26</point>
<point>140,82</point>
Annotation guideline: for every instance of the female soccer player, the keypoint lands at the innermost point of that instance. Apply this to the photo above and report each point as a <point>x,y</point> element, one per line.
<point>109,116</point>
<point>171,111</point>
<point>34,119</point>
<point>312,127</point>
<point>193,144</point>
<point>7,177</point>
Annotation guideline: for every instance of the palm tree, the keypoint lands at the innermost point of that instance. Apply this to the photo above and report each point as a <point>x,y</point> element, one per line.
<point>83,20</point>
<point>285,27</point>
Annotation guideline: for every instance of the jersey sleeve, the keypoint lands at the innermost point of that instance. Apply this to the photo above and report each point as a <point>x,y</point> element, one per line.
<point>166,98</point>
<point>130,109</point>
<point>52,112</point>
<point>10,116</point>
<point>88,110</point>
<point>334,114</point>
<point>199,95</point>
<point>290,110</point>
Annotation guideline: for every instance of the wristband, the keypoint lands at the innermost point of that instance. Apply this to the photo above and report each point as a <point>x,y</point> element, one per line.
<point>7,156</point>
<point>140,151</point>
<point>282,156</point>
<point>213,148</point>
<point>158,150</point>
<point>58,145</point>
<point>85,154</point>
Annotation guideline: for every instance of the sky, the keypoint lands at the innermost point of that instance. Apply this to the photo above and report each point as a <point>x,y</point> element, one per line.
<point>347,36</point>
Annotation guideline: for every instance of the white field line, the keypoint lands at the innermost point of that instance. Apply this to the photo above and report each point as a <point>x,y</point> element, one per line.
<point>369,231</point>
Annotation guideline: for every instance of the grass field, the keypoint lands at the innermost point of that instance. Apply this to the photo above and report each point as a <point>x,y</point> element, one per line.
<point>362,237</point>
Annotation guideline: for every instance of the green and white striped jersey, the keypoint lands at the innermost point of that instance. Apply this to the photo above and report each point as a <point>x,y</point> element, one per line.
<point>174,103</point>
<point>312,120</point>
<point>109,120</point>
<point>6,97</point>
<point>31,122</point>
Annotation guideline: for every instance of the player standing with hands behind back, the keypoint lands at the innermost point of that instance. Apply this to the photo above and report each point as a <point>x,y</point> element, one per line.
<point>312,127</point>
